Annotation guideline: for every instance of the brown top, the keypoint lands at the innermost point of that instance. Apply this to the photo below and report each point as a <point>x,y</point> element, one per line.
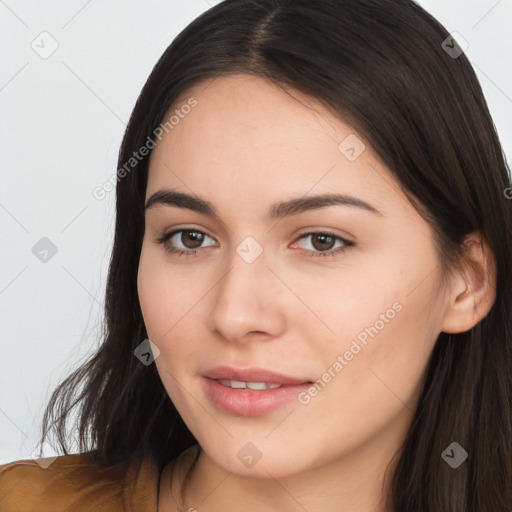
<point>74,483</point>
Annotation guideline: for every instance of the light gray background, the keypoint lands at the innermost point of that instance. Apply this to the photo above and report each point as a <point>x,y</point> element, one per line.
<point>62,122</point>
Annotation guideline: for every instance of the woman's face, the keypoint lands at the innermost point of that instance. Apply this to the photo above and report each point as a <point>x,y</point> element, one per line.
<point>261,286</point>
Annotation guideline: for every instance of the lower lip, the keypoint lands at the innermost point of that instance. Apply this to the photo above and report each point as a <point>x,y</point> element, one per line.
<point>246,402</point>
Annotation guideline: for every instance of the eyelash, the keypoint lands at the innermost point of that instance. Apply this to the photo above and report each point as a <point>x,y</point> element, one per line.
<point>322,254</point>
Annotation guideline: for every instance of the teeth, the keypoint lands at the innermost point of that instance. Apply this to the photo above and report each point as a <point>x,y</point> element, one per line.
<point>236,384</point>
<point>262,385</point>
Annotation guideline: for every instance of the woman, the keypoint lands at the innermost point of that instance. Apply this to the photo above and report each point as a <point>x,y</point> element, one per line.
<point>309,297</point>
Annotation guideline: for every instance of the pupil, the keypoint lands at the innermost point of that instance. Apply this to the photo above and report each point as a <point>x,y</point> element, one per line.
<point>324,239</point>
<point>196,238</point>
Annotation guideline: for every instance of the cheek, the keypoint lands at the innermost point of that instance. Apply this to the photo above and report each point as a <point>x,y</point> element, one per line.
<point>151,305</point>
<point>389,369</point>
<point>163,309</point>
<point>158,289</point>
<point>384,334</point>
<point>170,306</point>
<point>156,295</point>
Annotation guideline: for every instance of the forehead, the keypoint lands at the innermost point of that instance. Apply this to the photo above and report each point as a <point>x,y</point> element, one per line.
<point>248,108</point>
<point>246,137</point>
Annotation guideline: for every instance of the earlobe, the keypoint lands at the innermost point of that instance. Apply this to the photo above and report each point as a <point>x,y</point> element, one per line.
<point>468,307</point>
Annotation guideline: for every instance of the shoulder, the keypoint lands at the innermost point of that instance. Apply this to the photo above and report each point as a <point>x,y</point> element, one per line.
<point>76,482</point>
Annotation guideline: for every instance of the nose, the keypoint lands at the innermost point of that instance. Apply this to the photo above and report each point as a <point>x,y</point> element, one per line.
<point>248,299</point>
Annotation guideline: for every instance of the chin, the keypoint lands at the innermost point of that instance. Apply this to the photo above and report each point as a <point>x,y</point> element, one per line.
<point>253,462</point>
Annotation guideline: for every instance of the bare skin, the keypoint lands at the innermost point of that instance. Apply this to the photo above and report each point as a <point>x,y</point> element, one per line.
<point>245,146</point>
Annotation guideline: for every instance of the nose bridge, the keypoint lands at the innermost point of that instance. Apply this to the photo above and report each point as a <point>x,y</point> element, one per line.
<point>245,300</point>
<point>247,265</point>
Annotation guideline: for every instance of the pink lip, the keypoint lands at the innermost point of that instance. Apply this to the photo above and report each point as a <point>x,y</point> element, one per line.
<point>246,402</point>
<point>252,375</point>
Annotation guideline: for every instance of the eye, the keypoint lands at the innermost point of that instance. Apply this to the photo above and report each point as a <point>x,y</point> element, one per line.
<point>191,239</point>
<point>322,243</point>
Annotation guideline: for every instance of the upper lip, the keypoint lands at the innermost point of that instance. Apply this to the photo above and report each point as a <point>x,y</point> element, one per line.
<point>251,375</point>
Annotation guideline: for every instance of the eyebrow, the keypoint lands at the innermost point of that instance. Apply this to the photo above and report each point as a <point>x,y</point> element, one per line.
<point>170,197</point>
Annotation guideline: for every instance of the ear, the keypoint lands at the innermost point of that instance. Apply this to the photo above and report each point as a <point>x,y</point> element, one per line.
<point>472,292</point>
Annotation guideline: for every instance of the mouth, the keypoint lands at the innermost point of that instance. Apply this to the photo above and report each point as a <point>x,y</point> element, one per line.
<point>252,378</point>
<point>251,392</point>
